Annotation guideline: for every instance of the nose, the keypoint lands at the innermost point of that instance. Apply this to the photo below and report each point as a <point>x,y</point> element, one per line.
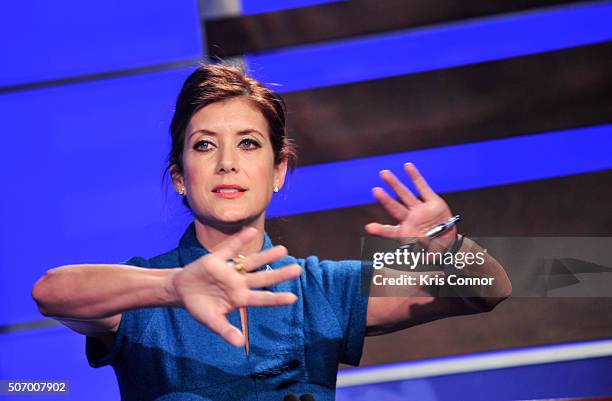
<point>226,160</point>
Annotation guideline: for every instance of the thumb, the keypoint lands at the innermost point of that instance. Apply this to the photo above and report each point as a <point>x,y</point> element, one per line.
<point>224,328</point>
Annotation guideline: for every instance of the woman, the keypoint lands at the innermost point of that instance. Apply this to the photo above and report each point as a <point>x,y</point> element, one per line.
<point>169,325</point>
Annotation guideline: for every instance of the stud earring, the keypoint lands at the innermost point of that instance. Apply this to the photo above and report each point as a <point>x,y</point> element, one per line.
<point>181,191</point>
<point>275,188</point>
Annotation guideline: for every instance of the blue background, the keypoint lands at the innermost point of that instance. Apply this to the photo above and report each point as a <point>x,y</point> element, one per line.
<point>83,152</point>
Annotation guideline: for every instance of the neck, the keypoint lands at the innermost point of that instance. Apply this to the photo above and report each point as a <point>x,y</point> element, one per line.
<point>211,235</point>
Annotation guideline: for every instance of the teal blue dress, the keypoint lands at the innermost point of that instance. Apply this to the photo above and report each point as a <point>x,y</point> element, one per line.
<point>162,353</point>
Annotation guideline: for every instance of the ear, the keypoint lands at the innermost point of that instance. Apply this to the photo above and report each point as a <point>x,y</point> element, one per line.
<point>177,178</point>
<point>280,171</point>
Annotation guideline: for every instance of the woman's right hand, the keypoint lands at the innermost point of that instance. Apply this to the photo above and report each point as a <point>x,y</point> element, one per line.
<point>210,287</point>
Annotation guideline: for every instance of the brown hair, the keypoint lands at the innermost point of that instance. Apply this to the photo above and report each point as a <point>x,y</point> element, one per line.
<point>211,83</point>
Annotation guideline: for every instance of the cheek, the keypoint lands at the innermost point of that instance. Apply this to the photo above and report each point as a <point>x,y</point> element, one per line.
<point>265,177</point>
<point>195,173</point>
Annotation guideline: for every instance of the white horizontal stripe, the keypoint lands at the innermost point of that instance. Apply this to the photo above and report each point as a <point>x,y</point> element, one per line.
<point>474,363</point>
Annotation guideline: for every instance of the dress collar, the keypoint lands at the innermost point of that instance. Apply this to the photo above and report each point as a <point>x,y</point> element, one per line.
<point>190,249</point>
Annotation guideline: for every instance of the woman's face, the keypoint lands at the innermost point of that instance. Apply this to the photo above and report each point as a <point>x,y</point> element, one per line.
<point>228,163</point>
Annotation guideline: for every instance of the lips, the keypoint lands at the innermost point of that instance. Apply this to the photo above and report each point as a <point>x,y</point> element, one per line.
<point>228,188</point>
<point>228,191</point>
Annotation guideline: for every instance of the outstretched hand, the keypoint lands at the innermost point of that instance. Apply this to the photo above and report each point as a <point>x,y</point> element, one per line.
<point>210,287</point>
<point>414,216</point>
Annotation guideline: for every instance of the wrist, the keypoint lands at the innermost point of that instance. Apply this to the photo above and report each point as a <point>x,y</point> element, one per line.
<point>457,244</point>
<point>170,295</point>
<point>444,243</point>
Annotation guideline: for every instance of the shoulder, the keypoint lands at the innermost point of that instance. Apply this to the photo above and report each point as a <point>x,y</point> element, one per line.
<point>330,273</point>
<point>314,265</point>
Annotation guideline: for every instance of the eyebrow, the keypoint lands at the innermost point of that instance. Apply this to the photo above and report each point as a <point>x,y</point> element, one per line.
<point>213,133</point>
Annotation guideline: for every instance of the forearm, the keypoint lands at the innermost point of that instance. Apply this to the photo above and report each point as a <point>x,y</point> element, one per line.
<point>393,308</point>
<point>98,291</point>
<point>481,296</point>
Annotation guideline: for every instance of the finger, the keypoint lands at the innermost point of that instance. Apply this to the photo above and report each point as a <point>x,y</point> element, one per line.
<point>255,260</point>
<point>223,327</point>
<point>271,277</point>
<point>230,247</point>
<point>419,182</point>
<point>405,195</point>
<point>383,230</point>
<point>395,209</point>
<point>268,298</point>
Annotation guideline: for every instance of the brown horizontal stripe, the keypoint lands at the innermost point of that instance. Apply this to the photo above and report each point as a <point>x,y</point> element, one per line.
<point>29,325</point>
<point>573,205</point>
<point>537,93</point>
<point>516,322</point>
<point>233,36</point>
<point>78,79</point>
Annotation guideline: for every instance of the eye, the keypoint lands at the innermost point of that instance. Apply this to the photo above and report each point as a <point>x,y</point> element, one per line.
<point>249,144</point>
<point>203,145</point>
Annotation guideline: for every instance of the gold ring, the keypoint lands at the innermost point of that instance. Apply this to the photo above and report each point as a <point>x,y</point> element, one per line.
<point>238,265</point>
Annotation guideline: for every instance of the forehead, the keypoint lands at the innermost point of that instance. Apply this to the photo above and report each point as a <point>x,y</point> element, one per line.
<point>231,115</point>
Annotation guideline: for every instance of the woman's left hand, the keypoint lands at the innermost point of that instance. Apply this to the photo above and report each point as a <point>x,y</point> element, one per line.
<point>414,216</point>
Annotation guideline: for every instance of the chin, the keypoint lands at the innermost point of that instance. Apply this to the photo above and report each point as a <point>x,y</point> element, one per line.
<point>233,217</point>
<point>230,218</point>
